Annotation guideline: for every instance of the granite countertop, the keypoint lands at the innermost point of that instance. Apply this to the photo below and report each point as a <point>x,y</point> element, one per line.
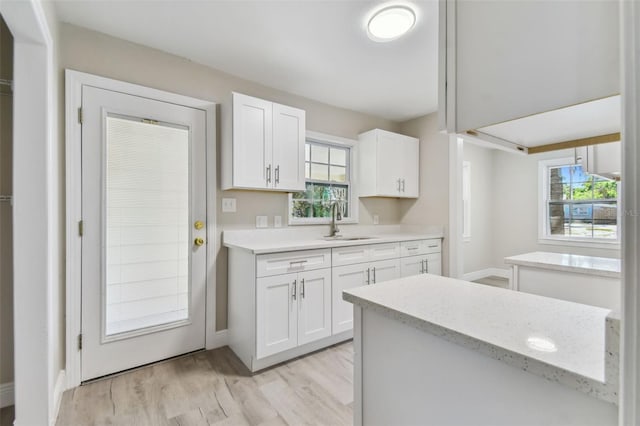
<point>602,266</point>
<point>562,341</point>
<point>260,241</point>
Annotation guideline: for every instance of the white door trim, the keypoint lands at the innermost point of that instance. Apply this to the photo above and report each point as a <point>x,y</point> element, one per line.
<point>456,239</point>
<point>35,206</point>
<point>630,85</point>
<point>74,81</point>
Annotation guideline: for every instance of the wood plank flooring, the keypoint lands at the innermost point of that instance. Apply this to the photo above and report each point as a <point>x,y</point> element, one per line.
<point>215,388</point>
<point>6,416</point>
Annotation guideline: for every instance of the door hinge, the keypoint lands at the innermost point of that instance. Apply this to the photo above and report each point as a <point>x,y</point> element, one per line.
<point>80,115</point>
<point>79,342</point>
<point>80,228</point>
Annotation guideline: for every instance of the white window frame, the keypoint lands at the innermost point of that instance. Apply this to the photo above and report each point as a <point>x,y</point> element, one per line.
<point>353,201</point>
<point>544,237</point>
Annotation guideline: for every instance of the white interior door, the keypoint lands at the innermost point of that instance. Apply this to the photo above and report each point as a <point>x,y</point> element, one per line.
<point>143,193</point>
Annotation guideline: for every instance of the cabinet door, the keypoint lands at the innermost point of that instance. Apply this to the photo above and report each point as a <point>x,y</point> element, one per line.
<point>410,266</point>
<point>314,305</point>
<point>343,278</point>
<point>411,174</point>
<point>390,163</point>
<point>288,148</point>
<point>385,270</point>
<point>434,264</point>
<point>252,141</point>
<point>276,314</point>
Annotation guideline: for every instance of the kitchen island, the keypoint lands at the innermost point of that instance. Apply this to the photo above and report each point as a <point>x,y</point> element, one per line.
<point>426,344</point>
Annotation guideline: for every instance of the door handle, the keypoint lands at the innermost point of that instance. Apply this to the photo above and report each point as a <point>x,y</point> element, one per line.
<point>374,274</point>
<point>198,241</point>
<point>277,173</point>
<point>293,294</point>
<point>269,174</point>
<point>302,288</point>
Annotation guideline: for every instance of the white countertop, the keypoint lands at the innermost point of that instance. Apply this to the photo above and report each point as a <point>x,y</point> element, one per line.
<point>602,266</point>
<point>503,324</point>
<point>260,241</point>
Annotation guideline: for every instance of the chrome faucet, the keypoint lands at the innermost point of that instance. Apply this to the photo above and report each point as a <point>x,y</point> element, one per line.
<point>336,214</point>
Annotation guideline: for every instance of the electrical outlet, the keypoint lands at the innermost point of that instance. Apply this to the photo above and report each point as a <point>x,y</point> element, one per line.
<point>277,221</point>
<point>261,222</point>
<point>228,205</point>
<point>376,219</point>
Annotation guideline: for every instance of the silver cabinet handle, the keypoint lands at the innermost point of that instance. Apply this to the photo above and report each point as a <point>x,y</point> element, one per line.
<point>426,266</point>
<point>277,173</point>
<point>293,295</point>
<point>368,276</point>
<point>398,185</point>
<point>297,262</point>
<point>269,173</point>
<point>402,185</point>
<point>422,266</point>
<point>374,275</point>
<point>302,288</point>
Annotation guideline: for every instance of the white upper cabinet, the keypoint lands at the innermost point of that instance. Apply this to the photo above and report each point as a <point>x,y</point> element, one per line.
<point>387,165</point>
<point>267,148</point>
<point>506,60</point>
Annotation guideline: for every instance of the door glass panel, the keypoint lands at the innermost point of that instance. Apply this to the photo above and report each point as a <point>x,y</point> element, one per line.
<point>147,225</point>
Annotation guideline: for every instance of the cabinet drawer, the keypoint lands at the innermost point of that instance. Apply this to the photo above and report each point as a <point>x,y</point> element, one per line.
<point>419,247</point>
<point>294,261</point>
<point>350,255</point>
<point>384,251</point>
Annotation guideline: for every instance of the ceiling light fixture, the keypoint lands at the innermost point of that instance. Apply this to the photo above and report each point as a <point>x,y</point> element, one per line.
<point>390,23</point>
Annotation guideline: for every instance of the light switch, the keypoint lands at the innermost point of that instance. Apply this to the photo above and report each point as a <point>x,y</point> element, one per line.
<point>228,205</point>
<point>277,221</point>
<point>261,221</point>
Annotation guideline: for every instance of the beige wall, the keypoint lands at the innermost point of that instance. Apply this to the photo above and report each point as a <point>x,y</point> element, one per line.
<point>432,206</point>
<point>6,249</point>
<point>477,250</point>
<point>96,53</point>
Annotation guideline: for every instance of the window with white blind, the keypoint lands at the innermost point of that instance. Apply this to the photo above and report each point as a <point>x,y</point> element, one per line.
<point>328,165</point>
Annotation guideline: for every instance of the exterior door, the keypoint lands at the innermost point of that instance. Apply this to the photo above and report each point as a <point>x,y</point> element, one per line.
<point>343,278</point>
<point>276,314</point>
<point>288,148</point>
<point>314,305</point>
<point>143,208</point>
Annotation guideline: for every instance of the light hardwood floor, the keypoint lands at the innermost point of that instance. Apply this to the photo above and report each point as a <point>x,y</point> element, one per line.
<point>215,388</point>
<point>6,416</point>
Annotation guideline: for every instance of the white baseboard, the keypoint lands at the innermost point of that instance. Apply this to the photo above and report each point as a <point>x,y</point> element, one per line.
<point>488,272</point>
<point>7,395</point>
<point>58,390</point>
<point>220,339</point>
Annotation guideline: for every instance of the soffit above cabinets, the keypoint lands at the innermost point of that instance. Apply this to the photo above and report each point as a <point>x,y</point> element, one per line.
<point>587,123</point>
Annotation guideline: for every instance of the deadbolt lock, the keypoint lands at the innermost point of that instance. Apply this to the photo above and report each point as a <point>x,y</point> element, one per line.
<point>198,224</point>
<point>199,241</point>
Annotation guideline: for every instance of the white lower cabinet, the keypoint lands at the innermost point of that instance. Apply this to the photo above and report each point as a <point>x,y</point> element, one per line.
<point>292,310</point>
<point>357,275</point>
<point>416,265</point>
<point>285,304</point>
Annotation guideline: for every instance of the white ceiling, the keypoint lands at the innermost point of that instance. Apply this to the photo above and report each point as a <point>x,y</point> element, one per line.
<point>314,48</point>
